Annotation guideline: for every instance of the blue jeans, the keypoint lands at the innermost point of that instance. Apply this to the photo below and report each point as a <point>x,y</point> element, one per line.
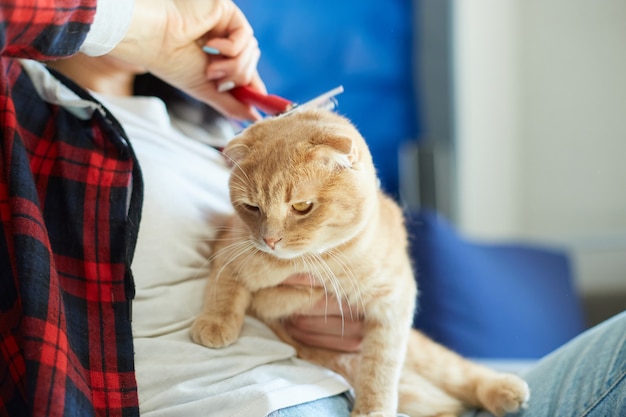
<point>336,406</point>
<point>584,378</point>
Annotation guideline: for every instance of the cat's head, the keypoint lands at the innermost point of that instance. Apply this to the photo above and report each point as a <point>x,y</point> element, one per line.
<point>303,183</point>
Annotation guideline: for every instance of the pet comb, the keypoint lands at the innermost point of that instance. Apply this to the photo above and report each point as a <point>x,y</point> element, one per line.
<point>268,103</point>
<point>273,105</point>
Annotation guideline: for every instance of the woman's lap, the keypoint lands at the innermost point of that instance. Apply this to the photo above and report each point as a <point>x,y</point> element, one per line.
<point>585,377</point>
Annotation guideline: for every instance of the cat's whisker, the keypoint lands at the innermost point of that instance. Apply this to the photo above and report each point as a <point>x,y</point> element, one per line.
<point>202,268</point>
<point>339,258</point>
<point>332,278</point>
<point>231,253</point>
<point>208,241</point>
<point>312,280</point>
<point>335,284</point>
<point>229,248</point>
<point>231,238</point>
<point>253,251</point>
<point>234,234</point>
<point>240,188</point>
<point>311,262</point>
<point>244,178</point>
<point>309,270</point>
<point>235,172</point>
<point>240,184</point>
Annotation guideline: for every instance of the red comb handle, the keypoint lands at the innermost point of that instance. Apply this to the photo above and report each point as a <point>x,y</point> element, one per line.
<point>268,103</point>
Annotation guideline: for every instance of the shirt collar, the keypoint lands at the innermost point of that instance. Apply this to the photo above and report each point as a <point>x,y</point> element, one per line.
<point>53,91</point>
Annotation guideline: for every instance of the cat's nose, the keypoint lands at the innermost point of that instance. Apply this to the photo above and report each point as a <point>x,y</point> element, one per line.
<point>272,241</point>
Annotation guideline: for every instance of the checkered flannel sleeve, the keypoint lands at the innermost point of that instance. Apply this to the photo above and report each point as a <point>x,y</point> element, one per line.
<point>43,29</point>
<point>67,234</point>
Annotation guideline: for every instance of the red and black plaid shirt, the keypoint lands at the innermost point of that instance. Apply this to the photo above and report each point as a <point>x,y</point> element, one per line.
<point>70,202</point>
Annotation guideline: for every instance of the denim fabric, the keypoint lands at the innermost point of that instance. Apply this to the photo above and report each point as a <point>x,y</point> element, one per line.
<point>336,406</point>
<point>584,378</point>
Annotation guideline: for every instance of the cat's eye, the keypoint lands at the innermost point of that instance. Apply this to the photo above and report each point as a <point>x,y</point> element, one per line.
<point>302,207</point>
<point>250,207</point>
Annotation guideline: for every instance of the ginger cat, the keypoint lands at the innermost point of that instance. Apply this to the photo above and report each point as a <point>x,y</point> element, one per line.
<point>307,200</point>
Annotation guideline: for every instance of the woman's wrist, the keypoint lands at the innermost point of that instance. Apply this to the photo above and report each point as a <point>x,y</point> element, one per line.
<point>145,35</point>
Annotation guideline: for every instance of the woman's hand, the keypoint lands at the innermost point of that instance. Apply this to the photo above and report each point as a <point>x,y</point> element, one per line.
<point>327,324</point>
<point>167,36</point>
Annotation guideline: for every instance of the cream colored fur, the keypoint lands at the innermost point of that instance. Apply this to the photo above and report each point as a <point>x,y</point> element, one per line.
<point>306,198</point>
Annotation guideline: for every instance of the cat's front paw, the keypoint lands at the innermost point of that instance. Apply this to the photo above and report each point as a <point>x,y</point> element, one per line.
<point>506,393</point>
<point>214,332</point>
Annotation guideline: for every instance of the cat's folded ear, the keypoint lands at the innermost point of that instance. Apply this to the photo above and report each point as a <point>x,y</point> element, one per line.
<point>336,150</point>
<point>235,152</point>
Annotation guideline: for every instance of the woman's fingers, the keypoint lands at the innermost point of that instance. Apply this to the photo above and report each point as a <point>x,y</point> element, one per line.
<point>230,41</point>
<point>328,324</point>
<point>303,329</point>
<point>240,70</point>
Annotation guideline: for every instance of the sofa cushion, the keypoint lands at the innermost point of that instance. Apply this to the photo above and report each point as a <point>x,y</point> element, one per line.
<point>504,300</point>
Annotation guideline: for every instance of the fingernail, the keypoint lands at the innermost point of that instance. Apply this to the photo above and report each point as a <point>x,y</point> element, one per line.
<point>210,50</point>
<point>225,86</point>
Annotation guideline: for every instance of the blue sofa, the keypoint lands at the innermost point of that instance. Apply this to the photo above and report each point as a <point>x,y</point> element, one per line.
<point>311,47</point>
<point>504,300</point>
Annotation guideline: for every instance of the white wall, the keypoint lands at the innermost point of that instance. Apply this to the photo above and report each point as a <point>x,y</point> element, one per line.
<point>487,111</point>
<point>541,128</point>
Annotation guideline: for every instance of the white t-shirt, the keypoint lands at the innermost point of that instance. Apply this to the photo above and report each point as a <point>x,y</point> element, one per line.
<point>185,198</point>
